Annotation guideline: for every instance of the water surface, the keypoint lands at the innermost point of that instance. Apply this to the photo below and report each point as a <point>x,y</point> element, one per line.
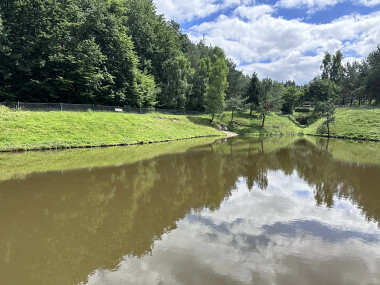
<point>240,211</point>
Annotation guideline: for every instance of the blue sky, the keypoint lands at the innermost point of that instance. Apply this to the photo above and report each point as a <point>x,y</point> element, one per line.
<point>283,39</point>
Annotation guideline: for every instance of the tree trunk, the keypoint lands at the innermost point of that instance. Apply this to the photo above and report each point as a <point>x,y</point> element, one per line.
<point>328,129</point>
<point>262,124</point>
<point>250,112</point>
<point>212,119</point>
<point>232,116</point>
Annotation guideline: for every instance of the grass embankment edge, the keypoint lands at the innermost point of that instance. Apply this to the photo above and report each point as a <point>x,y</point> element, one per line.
<point>29,131</point>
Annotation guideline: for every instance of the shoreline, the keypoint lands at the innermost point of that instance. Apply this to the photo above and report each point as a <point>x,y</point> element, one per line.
<point>229,134</point>
<point>20,150</point>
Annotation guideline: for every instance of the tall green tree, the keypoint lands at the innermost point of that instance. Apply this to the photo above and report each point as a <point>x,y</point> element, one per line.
<point>321,90</point>
<point>324,94</point>
<point>349,82</point>
<point>237,82</point>
<point>235,104</point>
<point>325,109</point>
<point>146,90</point>
<point>253,93</point>
<point>177,87</point>
<point>373,79</point>
<point>196,100</point>
<point>332,66</point>
<point>270,98</point>
<point>326,65</point>
<point>291,95</point>
<point>4,51</point>
<point>336,71</point>
<point>361,87</point>
<point>217,83</point>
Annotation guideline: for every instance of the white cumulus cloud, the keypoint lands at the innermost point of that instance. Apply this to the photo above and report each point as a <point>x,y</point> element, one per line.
<point>311,4</point>
<point>185,11</point>
<point>287,49</point>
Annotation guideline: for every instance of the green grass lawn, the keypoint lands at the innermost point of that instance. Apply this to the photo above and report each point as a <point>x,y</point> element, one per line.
<point>353,124</point>
<point>349,123</point>
<point>250,126</point>
<point>21,130</point>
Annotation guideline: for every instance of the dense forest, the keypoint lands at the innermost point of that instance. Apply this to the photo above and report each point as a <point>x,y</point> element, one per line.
<point>122,52</point>
<point>109,52</point>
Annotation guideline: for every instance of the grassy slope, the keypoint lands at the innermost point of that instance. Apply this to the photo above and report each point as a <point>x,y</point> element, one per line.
<point>249,126</point>
<point>45,130</point>
<point>349,123</point>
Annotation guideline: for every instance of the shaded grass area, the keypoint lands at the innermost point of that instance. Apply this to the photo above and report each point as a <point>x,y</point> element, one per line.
<point>363,124</point>
<point>49,130</point>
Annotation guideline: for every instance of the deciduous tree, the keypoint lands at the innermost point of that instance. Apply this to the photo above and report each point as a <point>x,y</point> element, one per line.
<point>270,98</point>
<point>217,83</point>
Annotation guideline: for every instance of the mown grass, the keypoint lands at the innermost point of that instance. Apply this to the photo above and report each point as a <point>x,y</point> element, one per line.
<point>21,130</point>
<point>353,124</point>
<point>250,126</point>
<point>361,124</point>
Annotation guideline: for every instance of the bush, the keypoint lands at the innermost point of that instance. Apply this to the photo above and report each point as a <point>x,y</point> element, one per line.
<point>4,109</point>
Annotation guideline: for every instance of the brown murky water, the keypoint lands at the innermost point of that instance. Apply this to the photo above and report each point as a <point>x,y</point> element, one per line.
<point>242,211</point>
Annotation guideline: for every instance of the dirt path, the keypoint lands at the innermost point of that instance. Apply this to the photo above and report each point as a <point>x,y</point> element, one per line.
<point>230,134</point>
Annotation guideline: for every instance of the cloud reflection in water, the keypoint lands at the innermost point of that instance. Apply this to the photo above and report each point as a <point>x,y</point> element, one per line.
<point>272,236</point>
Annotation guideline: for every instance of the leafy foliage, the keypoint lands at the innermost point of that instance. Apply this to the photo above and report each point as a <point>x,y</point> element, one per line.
<point>291,95</point>
<point>108,52</point>
<point>321,90</point>
<point>235,104</point>
<point>217,83</point>
<point>325,109</point>
<point>270,97</point>
<point>373,79</point>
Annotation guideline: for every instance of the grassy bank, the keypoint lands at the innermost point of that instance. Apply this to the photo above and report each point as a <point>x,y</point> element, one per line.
<point>361,124</point>
<point>49,130</point>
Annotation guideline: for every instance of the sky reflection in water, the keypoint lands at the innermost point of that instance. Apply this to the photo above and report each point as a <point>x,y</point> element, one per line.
<point>272,236</point>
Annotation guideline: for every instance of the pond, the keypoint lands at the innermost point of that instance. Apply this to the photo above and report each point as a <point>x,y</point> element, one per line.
<point>239,211</point>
